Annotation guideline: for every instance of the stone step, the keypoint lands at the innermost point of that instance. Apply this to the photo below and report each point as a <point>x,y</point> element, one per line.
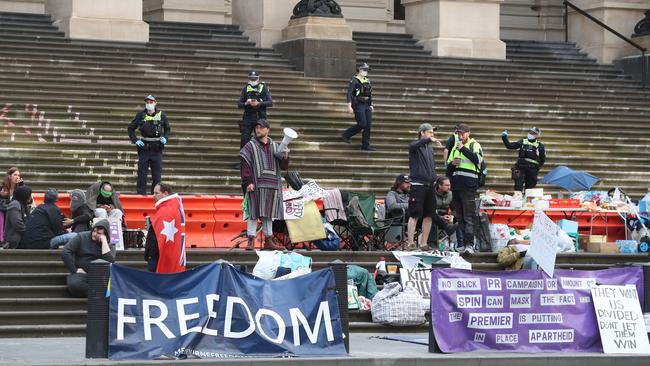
<point>35,304</point>
<point>22,292</point>
<point>42,331</point>
<point>184,26</point>
<point>41,316</point>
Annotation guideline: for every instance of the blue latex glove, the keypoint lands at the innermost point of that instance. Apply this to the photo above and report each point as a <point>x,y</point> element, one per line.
<point>504,133</point>
<point>163,140</point>
<point>139,143</point>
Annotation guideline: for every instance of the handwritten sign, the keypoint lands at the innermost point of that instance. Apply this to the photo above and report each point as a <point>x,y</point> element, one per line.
<point>620,320</point>
<point>294,210</point>
<point>543,244</point>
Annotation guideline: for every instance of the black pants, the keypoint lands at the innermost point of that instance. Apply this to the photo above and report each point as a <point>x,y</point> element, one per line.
<point>146,159</point>
<point>246,128</point>
<point>525,174</point>
<point>78,284</point>
<point>464,205</point>
<point>363,116</point>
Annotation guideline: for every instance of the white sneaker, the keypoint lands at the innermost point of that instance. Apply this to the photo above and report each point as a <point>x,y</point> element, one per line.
<point>460,249</point>
<point>469,250</point>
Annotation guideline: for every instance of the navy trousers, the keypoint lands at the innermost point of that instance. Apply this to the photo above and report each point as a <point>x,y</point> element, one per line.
<point>363,116</point>
<point>146,159</point>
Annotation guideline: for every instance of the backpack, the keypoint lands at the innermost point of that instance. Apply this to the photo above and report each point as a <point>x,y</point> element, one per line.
<point>482,170</point>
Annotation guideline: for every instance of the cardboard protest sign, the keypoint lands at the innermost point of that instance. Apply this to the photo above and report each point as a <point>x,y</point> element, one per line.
<point>543,242</point>
<point>620,320</point>
<point>419,279</point>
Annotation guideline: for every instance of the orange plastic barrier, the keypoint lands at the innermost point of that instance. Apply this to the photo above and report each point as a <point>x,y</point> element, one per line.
<point>211,220</point>
<point>597,223</point>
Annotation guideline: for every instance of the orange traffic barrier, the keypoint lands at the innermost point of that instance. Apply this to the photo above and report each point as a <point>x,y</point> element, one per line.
<point>211,220</point>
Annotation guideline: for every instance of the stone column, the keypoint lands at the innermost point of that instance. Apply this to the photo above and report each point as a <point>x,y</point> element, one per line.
<point>367,15</point>
<point>194,11</point>
<point>620,15</point>
<point>456,28</point>
<point>114,20</point>
<point>23,6</point>
<point>262,20</point>
<point>319,41</point>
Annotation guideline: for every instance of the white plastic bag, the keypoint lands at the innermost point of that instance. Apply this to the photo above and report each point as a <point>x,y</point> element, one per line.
<point>267,264</point>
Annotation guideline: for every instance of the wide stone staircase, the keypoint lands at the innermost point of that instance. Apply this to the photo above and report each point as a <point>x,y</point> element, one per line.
<point>67,105</point>
<point>593,117</point>
<point>34,301</point>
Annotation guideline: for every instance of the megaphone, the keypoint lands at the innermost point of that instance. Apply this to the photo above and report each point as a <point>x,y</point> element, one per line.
<point>289,135</point>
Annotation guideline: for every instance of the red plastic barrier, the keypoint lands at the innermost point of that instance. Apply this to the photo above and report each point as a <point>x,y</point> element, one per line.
<point>211,220</point>
<point>597,223</point>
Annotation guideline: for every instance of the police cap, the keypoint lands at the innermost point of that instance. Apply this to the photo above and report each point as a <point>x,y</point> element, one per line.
<point>149,97</point>
<point>253,75</point>
<point>363,66</point>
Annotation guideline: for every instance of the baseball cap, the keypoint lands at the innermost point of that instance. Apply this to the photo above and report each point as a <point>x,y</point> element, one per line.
<point>535,131</point>
<point>150,97</point>
<point>253,75</point>
<point>263,122</point>
<point>402,178</point>
<point>363,66</point>
<point>462,127</point>
<point>426,127</point>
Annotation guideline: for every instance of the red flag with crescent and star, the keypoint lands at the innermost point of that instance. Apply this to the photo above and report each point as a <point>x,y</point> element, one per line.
<point>169,224</point>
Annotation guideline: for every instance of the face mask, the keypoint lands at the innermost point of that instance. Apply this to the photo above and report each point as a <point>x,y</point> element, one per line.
<point>150,106</point>
<point>531,137</point>
<point>363,73</point>
<point>104,193</point>
<point>253,82</point>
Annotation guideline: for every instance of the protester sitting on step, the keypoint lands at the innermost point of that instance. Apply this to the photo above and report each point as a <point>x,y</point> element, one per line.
<point>79,252</point>
<point>81,214</point>
<point>17,213</point>
<point>11,181</point>
<point>104,201</point>
<point>44,227</point>
<point>397,199</point>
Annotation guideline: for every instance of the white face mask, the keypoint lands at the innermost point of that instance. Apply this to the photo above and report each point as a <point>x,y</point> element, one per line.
<point>253,82</point>
<point>150,106</point>
<point>531,137</point>
<point>363,73</point>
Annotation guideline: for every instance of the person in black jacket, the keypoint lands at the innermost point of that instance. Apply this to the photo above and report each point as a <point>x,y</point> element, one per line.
<point>44,227</point>
<point>422,197</point>
<point>81,214</point>
<point>359,98</point>
<point>154,131</point>
<point>79,252</point>
<point>532,156</point>
<point>254,99</point>
<point>16,215</point>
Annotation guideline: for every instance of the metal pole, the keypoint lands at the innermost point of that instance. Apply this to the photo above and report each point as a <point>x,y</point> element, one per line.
<point>433,344</point>
<point>97,318</point>
<point>340,270</point>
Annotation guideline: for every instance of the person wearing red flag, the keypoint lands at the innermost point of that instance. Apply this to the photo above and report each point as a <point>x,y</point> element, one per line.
<point>165,246</point>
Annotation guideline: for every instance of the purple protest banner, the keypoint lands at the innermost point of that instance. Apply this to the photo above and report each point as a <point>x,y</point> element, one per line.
<point>520,311</point>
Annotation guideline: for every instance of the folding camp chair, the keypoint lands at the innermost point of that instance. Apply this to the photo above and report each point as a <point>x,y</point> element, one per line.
<point>365,232</point>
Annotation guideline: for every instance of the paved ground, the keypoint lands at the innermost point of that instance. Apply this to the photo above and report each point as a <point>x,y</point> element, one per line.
<point>366,350</point>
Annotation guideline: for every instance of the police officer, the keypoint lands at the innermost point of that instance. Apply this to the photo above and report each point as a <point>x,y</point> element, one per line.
<point>154,131</point>
<point>360,103</point>
<point>532,156</point>
<point>254,99</point>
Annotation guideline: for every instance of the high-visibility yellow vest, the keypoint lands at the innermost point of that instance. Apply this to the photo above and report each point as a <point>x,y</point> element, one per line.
<point>466,165</point>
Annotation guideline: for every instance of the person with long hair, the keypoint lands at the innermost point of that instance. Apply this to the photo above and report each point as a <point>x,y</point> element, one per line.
<point>9,183</point>
<point>17,213</point>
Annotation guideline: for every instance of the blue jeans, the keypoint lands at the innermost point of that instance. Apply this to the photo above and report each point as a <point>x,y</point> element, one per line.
<point>61,240</point>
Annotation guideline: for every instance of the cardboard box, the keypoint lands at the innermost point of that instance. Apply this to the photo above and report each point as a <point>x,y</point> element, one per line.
<point>609,248</point>
<point>596,242</point>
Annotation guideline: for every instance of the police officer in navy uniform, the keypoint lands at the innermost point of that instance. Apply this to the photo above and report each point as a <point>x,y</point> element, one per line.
<point>254,99</point>
<point>532,156</point>
<point>154,130</point>
<point>360,103</point>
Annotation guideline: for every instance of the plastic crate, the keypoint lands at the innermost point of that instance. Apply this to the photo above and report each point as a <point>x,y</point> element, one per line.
<point>133,239</point>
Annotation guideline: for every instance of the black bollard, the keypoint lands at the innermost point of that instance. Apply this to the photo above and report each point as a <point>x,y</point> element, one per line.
<point>433,344</point>
<point>97,318</point>
<point>340,270</point>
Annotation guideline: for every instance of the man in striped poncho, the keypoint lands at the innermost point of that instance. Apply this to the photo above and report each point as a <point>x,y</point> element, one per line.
<point>260,173</point>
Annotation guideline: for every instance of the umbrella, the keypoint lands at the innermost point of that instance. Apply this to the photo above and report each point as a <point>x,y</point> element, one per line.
<point>569,179</point>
